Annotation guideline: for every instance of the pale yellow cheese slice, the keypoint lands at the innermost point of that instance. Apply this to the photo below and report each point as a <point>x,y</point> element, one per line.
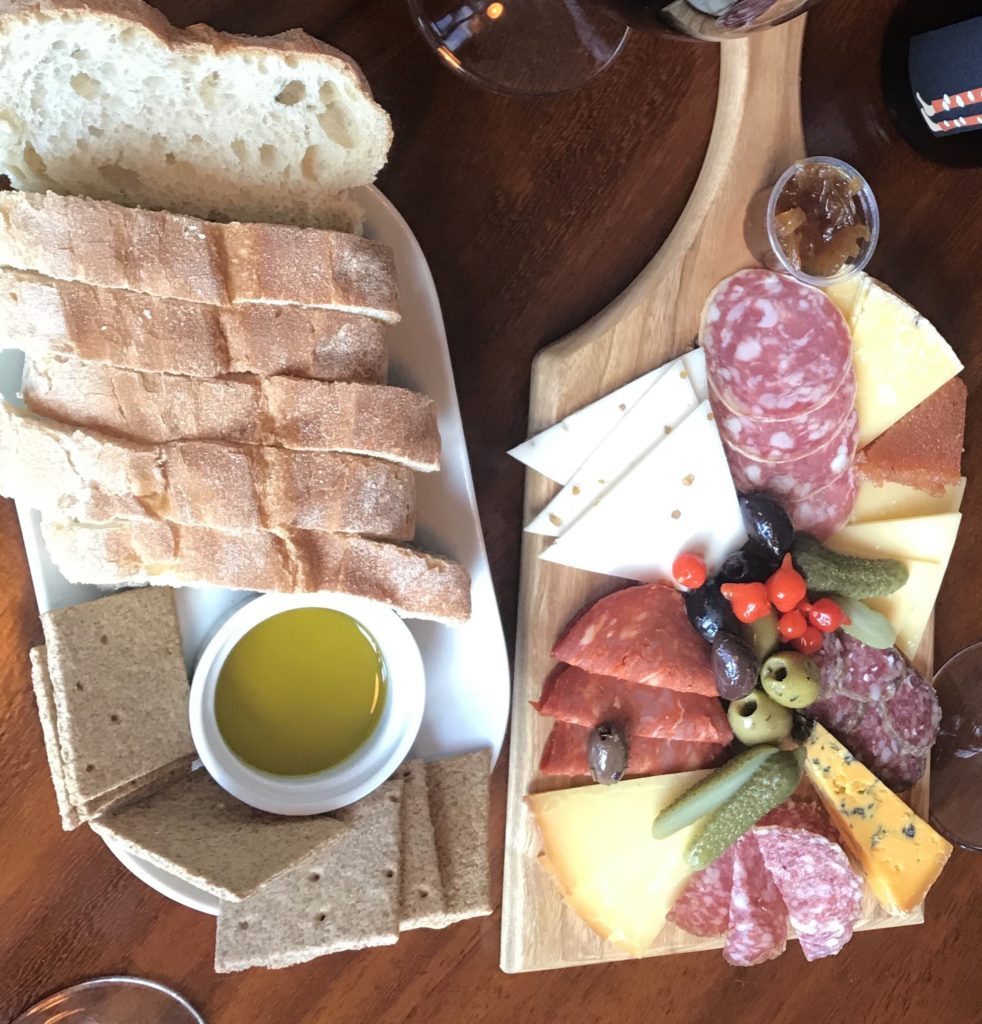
<point>909,609</point>
<point>597,845</point>
<point>849,295</point>
<point>898,501</point>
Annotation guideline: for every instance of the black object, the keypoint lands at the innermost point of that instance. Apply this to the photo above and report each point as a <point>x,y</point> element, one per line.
<point>735,667</point>
<point>607,753</point>
<point>709,611</point>
<point>931,71</point>
<point>767,524</point>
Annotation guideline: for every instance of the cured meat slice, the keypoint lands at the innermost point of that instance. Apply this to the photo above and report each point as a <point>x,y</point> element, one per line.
<point>802,476</point>
<point>788,438</point>
<point>642,635</point>
<point>823,894</point>
<point>703,908</point>
<point>826,510</point>
<point>565,753</point>
<point>802,814</point>
<point>758,919</point>
<point>584,698</point>
<point>878,706</point>
<point>775,348</point>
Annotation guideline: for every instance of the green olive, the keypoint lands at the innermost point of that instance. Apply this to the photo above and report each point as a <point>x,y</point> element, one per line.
<point>758,719</point>
<point>792,679</point>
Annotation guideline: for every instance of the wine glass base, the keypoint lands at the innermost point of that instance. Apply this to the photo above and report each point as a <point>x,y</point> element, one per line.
<point>521,47</point>
<point>113,1000</point>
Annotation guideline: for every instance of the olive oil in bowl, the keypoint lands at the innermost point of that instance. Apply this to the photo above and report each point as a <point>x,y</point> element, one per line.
<point>301,692</point>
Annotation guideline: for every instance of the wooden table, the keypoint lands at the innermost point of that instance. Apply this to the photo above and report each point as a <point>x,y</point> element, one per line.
<point>534,214</point>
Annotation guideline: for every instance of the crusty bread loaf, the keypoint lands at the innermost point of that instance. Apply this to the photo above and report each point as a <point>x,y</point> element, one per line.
<point>138,332</point>
<point>90,477</point>
<point>176,257</point>
<point>305,415</point>
<point>414,583</point>
<point>105,98</point>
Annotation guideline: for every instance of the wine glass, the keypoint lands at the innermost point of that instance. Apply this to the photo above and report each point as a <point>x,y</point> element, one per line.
<point>539,47</point>
<point>113,1000</point>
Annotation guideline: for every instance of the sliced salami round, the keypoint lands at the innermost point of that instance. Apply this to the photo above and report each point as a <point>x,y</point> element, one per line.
<point>801,476</point>
<point>775,348</point>
<point>758,918</point>
<point>788,438</point>
<point>913,714</point>
<point>803,814</point>
<point>703,909</point>
<point>823,894</point>
<point>826,510</point>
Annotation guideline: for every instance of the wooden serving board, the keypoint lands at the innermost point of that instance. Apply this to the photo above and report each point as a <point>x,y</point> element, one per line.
<point>756,135</point>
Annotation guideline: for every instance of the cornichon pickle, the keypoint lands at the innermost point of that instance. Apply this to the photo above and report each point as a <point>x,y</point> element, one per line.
<point>710,792</point>
<point>773,783</point>
<point>831,572</point>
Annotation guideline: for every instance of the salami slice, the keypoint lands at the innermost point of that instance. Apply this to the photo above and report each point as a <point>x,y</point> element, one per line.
<point>642,635</point>
<point>758,918</point>
<point>703,909</point>
<point>826,510</point>
<point>565,753</point>
<point>584,698</point>
<point>788,438</point>
<point>775,348</point>
<point>802,814</point>
<point>802,476</point>
<point>823,894</point>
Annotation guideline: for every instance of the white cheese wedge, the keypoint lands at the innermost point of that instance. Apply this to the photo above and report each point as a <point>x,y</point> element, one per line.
<point>678,498</point>
<point>598,847</point>
<point>899,358</point>
<point>694,363</point>
<point>561,449</point>
<point>898,501</point>
<point>849,296</point>
<point>644,426</point>
<point>925,544</point>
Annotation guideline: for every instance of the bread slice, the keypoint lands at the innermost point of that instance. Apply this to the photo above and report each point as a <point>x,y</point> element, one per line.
<point>44,317</point>
<point>415,584</point>
<point>343,896</point>
<point>93,478</point>
<point>120,690</point>
<point>107,99</point>
<point>304,415</point>
<point>176,257</point>
<point>193,829</point>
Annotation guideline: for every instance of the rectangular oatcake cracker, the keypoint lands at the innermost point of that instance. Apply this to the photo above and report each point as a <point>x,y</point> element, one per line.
<point>120,689</point>
<point>195,830</point>
<point>41,682</point>
<point>459,808</point>
<point>421,899</point>
<point>343,896</point>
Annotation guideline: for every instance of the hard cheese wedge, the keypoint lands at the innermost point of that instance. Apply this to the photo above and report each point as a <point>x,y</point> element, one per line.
<point>644,426</point>
<point>900,854</point>
<point>678,498</point>
<point>899,359</point>
<point>925,543</point>
<point>597,844</point>
<point>559,451</point>
<point>898,501</point>
<point>849,295</point>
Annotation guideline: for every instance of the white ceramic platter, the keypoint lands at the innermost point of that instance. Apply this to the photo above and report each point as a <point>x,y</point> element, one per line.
<point>468,685</point>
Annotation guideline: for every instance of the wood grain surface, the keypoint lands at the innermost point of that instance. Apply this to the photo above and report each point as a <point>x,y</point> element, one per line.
<point>534,216</point>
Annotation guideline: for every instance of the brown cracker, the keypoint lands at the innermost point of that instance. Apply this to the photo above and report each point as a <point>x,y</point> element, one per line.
<point>41,682</point>
<point>421,899</point>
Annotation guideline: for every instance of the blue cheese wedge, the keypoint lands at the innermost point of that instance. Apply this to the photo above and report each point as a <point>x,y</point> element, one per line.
<point>678,498</point>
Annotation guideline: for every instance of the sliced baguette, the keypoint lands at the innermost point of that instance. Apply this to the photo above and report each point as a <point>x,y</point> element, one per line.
<point>415,584</point>
<point>176,257</point>
<point>304,415</point>
<point>46,317</point>
<point>90,477</point>
<point>107,99</point>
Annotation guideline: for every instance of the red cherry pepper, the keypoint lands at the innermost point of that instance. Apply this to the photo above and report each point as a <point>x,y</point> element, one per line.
<point>809,642</point>
<point>826,616</point>
<point>787,587</point>
<point>689,571</point>
<point>792,624</point>
<point>749,600</point>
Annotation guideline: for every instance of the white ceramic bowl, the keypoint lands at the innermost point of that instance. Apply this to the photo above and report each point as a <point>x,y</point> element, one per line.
<point>368,767</point>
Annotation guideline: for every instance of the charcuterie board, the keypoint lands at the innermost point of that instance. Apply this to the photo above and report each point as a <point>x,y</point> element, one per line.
<point>756,135</point>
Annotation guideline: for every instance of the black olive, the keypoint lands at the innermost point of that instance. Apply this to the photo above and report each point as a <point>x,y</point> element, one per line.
<point>607,753</point>
<point>767,523</point>
<point>751,564</point>
<point>709,611</point>
<point>735,667</point>
<point>801,727</point>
